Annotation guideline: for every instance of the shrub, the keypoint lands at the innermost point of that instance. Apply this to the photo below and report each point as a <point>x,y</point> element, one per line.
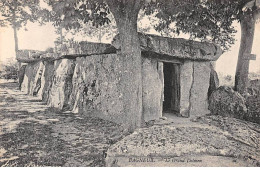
<point>9,70</point>
<point>228,103</point>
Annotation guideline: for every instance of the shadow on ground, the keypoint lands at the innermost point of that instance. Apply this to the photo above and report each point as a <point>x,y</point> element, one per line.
<point>33,135</point>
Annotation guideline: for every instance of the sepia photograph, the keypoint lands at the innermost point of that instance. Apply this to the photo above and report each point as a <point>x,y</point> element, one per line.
<point>129,83</point>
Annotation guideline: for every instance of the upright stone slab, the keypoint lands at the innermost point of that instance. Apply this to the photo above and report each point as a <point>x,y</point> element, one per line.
<point>199,89</point>
<point>102,95</point>
<point>21,74</point>
<point>61,84</point>
<point>39,81</point>
<point>78,85</point>
<point>31,75</point>
<point>97,89</point>
<point>47,75</point>
<point>186,80</point>
<point>152,74</point>
<point>214,81</point>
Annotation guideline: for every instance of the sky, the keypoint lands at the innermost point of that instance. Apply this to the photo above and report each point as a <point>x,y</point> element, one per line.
<point>41,37</point>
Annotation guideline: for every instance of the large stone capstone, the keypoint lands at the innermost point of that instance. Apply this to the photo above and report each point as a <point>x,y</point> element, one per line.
<point>29,56</point>
<point>176,47</point>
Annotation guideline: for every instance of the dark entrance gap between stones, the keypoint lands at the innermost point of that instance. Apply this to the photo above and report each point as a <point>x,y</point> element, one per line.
<point>171,103</point>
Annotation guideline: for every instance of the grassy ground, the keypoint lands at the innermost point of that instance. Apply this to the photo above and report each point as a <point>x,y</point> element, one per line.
<point>33,135</point>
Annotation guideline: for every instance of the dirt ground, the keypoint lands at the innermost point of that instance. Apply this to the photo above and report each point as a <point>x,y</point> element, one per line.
<point>33,135</point>
<point>203,141</point>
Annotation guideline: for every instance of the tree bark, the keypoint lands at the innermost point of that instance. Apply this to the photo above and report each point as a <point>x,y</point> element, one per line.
<point>16,48</point>
<point>61,35</point>
<point>15,30</point>
<point>15,40</point>
<point>16,45</point>
<point>126,13</point>
<point>247,36</point>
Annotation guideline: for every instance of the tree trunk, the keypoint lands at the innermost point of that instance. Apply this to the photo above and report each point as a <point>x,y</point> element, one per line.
<point>247,36</point>
<point>16,45</point>
<point>99,35</point>
<point>14,24</point>
<point>15,40</point>
<point>126,13</point>
<point>16,48</point>
<point>61,35</point>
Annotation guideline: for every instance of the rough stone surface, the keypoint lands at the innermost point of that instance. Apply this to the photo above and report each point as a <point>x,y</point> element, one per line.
<point>199,90</point>
<point>21,75</point>
<point>96,90</point>
<point>186,79</point>
<point>48,75</point>
<point>214,81</point>
<point>85,48</point>
<point>62,83</point>
<point>76,96</point>
<point>71,51</point>
<point>176,47</point>
<point>91,48</point>
<point>91,85</point>
<point>82,82</point>
<point>32,72</point>
<point>50,56</point>
<point>152,89</point>
<point>226,102</point>
<point>39,81</point>
<point>29,56</point>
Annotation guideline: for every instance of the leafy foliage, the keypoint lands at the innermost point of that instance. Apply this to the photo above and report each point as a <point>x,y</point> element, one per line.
<point>107,31</point>
<point>71,14</point>
<point>17,13</point>
<point>207,20</point>
<point>9,70</point>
